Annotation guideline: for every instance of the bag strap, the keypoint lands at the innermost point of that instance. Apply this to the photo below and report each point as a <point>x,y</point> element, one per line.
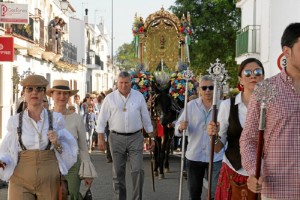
<point>19,130</point>
<point>50,119</point>
<point>232,182</point>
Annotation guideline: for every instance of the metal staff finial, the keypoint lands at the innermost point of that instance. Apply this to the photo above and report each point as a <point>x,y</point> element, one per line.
<point>188,74</point>
<point>218,73</point>
<point>265,92</point>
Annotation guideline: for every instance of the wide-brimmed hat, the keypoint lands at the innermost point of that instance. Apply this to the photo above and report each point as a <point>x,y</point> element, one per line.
<point>34,80</point>
<point>60,85</point>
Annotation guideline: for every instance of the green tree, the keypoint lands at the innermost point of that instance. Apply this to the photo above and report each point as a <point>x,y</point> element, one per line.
<point>125,57</point>
<point>215,23</point>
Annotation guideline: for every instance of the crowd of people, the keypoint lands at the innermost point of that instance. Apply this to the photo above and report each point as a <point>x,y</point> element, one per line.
<point>47,143</point>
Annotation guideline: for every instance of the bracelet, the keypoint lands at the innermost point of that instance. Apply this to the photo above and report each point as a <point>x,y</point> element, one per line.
<point>58,147</point>
<point>217,139</point>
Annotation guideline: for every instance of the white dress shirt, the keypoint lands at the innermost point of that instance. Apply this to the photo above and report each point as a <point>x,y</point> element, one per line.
<point>134,118</point>
<point>198,117</point>
<point>223,117</point>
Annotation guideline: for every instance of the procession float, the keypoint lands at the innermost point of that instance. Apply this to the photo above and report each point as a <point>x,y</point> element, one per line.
<point>161,44</point>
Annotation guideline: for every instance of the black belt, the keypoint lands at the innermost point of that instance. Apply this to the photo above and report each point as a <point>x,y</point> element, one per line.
<point>126,134</point>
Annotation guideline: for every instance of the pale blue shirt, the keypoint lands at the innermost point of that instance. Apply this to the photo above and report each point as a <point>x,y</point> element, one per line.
<point>198,148</point>
<point>134,118</point>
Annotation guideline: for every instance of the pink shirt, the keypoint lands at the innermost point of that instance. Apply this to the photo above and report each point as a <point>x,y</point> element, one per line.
<point>281,162</point>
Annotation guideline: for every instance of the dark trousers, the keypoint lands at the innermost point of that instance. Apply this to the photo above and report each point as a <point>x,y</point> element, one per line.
<point>195,173</point>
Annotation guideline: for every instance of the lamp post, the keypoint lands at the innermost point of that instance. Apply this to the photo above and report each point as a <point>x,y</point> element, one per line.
<point>112,33</point>
<point>91,56</point>
<point>64,5</point>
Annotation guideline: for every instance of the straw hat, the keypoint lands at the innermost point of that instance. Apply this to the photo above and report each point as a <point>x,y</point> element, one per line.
<point>60,85</point>
<point>34,80</point>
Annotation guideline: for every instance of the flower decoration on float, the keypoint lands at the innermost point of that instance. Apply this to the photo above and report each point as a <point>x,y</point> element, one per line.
<point>186,28</point>
<point>141,80</point>
<point>137,30</point>
<point>178,83</point>
<point>138,25</point>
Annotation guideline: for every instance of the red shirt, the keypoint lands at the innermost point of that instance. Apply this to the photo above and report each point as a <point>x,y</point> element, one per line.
<point>281,162</point>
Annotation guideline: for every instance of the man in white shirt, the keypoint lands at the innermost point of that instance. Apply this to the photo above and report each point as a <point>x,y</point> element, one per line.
<point>126,112</point>
<point>199,113</point>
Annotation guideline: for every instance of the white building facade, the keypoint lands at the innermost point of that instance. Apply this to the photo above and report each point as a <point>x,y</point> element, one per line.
<point>262,25</point>
<point>55,55</point>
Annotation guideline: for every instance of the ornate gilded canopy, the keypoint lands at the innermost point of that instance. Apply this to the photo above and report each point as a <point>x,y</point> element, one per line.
<point>162,40</point>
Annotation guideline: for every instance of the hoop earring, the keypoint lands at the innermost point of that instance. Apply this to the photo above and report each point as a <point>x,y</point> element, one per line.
<point>240,87</point>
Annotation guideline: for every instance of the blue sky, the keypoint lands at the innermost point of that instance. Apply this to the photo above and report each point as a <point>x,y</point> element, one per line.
<point>124,11</point>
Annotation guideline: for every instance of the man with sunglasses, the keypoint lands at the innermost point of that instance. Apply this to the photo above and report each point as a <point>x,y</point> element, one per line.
<point>280,175</point>
<point>199,113</point>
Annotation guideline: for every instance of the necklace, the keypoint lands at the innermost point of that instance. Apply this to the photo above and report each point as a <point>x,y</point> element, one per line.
<point>37,131</point>
<point>124,102</point>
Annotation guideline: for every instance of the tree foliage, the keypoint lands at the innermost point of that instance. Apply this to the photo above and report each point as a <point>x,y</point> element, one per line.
<point>215,24</point>
<point>125,57</point>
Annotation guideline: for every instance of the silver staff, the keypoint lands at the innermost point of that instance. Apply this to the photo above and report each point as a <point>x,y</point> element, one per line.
<point>188,76</point>
<point>264,93</point>
<point>219,75</point>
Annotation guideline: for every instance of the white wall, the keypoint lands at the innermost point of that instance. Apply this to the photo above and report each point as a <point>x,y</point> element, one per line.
<point>273,16</point>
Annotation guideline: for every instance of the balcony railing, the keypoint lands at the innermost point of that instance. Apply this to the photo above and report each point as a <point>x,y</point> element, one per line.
<point>248,40</point>
<point>69,53</point>
<point>25,31</point>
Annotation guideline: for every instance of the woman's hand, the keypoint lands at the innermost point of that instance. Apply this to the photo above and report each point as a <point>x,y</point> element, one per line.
<point>2,164</point>
<point>53,137</point>
<point>213,128</point>
<point>88,181</point>
<point>254,185</point>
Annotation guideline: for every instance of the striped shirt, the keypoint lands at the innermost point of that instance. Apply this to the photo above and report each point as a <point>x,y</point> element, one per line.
<point>281,162</point>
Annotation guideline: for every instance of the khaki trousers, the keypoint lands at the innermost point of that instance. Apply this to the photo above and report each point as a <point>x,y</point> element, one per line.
<point>36,176</point>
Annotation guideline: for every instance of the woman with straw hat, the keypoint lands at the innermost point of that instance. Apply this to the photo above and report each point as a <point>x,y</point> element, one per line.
<point>37,148</point>
<point>83,168</point>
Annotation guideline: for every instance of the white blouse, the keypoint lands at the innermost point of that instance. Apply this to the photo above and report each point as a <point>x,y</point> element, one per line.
<point>34,138</point>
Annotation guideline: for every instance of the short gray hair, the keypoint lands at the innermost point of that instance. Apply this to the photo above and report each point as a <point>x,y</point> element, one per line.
<point>124,74</point>
<point>206,78</point>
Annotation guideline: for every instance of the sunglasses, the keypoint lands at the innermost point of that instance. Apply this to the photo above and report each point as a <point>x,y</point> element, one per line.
<point>204,88</point>
<point>37,89</point>
<point>256,72</point>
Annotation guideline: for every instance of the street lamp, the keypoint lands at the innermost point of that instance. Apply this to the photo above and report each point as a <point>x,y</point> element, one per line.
<point>64,5</point>
<point>92,54</point>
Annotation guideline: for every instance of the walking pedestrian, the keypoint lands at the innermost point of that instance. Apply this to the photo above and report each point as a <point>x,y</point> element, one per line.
<point>126,112</point>
<point>37,147</point>
<point>231,120</point>
<point>83,169</point>
<point>199,113</point>
<point>280,178</point>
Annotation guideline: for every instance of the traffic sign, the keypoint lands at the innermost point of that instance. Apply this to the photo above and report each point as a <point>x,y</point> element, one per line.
<point>281,61</point>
